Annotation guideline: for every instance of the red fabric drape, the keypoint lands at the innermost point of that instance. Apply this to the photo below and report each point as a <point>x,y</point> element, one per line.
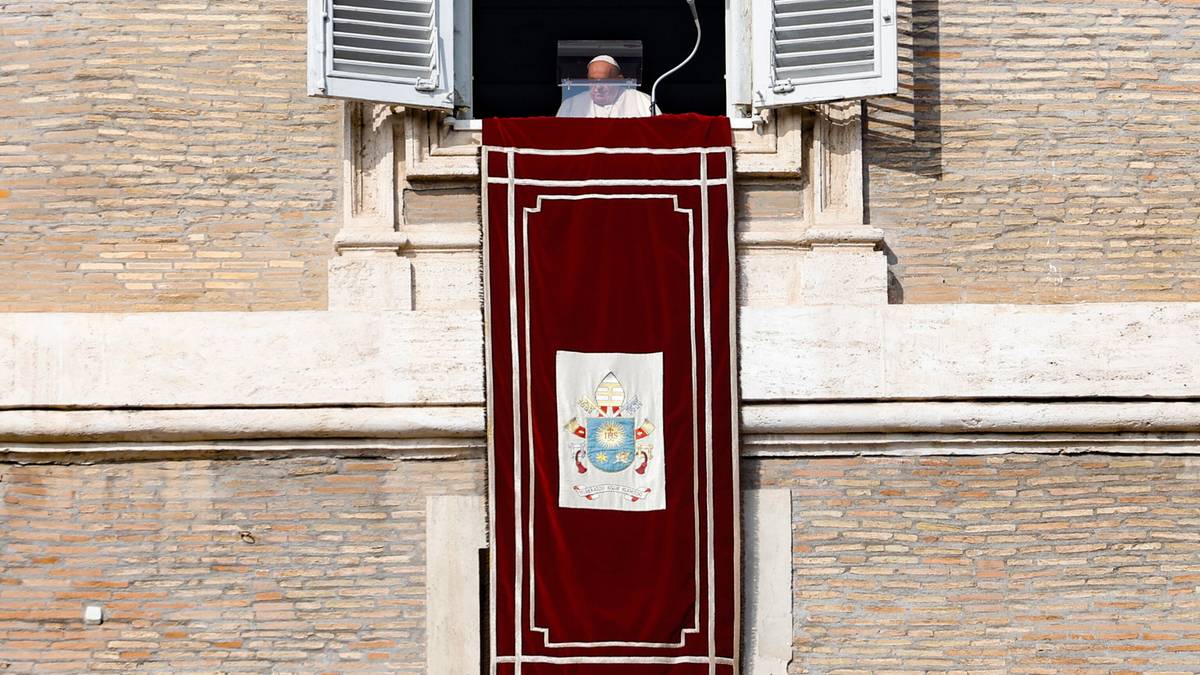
<point>608,237</point>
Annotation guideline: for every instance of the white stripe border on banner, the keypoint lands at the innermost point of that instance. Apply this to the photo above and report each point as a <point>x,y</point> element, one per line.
<point>529,422</point>
<point>608,151</point>
<point>611,182</point>
<point>666,660</point>
<point>704,183</point>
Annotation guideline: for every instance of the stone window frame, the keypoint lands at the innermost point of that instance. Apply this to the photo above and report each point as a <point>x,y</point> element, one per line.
<point>437,147</point>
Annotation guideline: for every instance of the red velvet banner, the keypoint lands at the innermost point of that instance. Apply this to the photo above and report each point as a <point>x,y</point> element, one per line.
<point>612,400</point>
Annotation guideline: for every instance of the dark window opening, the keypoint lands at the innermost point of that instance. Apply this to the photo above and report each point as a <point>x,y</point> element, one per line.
<point>515,51</point>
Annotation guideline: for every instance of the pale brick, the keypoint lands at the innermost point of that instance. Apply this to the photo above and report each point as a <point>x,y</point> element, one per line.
<point>151,119</point>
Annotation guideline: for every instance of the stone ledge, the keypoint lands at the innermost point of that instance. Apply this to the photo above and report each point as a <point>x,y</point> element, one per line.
<point>904,427</point>
<point>848,235</point>
<point>202,424</point>
<point>435,358</point>
<point>348,240</point>
<point>790,234</point>
<point>973,417</point>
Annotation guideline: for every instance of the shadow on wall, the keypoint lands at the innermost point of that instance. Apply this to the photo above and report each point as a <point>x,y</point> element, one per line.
<point>895,290</point>
<point>904,132</point>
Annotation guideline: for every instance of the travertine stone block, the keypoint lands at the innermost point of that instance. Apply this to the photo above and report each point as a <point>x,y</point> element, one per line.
<point>455,531</point>
<point>843,266</point>
<point>370,280</point>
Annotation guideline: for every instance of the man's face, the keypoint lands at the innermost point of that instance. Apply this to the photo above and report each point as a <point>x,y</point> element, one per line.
<point>603,94</point>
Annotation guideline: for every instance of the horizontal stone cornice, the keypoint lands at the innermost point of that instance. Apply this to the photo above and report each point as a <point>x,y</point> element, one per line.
<point>416,358</point>
<point>769,429</point>
<point>814,379</point>
<point>453,239</point>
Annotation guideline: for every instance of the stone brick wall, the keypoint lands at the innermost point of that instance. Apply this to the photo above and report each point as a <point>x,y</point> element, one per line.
<point>1011,563</point>
<point>333,580</point>
<point>1041,152</point>
<point>162,155</point>
<point>1003,564</point>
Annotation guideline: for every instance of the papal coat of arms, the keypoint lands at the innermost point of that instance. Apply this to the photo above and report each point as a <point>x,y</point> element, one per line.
<point>609,439</point>
<point>612,443</point>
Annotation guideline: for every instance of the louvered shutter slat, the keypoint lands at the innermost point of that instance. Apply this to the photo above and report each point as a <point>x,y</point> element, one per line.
<point>379,27</point>
<point>828,29</point>
<point>842,50</point>
<point>358,51</point>
<point>859,40</point>
<point>372,38</point>
<point>411,60</point>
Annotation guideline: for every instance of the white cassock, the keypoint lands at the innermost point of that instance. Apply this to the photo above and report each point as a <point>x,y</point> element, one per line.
<point>630,103</point>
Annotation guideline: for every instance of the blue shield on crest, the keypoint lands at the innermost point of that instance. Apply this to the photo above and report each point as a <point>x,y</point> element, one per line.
<point>610,443</point>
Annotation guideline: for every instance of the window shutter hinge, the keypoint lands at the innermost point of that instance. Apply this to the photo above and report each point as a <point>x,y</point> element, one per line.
<point>783,87</point>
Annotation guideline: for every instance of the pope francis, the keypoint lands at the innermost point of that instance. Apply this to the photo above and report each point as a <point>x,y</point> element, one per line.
<point>604,100</point>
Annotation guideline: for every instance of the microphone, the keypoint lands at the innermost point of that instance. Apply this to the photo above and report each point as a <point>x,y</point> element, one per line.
<point>654,89</point>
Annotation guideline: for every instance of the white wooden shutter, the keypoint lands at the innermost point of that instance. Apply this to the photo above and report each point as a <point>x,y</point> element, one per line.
<point>391,51</point>
<point>807,51</point>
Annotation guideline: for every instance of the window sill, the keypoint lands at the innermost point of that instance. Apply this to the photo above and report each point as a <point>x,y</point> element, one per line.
<point>737,123</point>
<point>437,148</point>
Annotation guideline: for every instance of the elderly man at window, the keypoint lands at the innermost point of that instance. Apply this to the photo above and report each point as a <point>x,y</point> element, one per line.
<point>607,99</point>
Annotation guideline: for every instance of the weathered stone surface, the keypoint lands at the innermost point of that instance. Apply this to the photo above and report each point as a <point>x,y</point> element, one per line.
<point>1008,563</point>
<point>1040,152</point>
<point>767,581</point>
<point>844,266</point>
<point>970,351</point>
<point>166,156</point>
<point>241,358</point>
<point>370,281</point>
<point>992,564</point>
<point>455,531</point>
<point>177,425</point>
<point>309,564</point>
<point>787,354</point>
<point>158,155</point>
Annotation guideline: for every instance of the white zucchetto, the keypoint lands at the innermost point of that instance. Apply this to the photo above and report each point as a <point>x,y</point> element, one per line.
<point>605,58</point>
